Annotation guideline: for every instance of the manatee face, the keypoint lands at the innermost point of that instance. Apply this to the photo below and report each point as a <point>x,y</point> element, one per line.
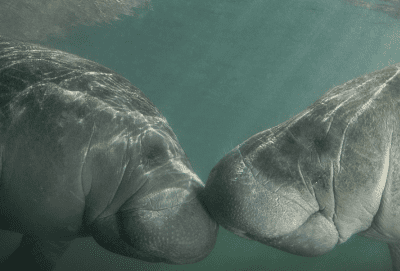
<point>85,153</point>
<point>315,180</point>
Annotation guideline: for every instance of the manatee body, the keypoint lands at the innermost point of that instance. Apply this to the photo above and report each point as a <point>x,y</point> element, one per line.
<point>315,180</point>
<point>85,153</point>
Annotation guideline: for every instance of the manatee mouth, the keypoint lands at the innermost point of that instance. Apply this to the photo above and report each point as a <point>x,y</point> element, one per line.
<point>238,232</point>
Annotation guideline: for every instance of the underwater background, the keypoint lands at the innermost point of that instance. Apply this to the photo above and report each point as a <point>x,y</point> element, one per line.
<point>221,71</point>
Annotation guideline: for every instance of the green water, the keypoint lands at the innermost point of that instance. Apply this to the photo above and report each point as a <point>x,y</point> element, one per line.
<point>220,71</point>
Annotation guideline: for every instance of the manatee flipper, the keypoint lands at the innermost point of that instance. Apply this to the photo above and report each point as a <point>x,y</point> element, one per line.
<point>36,253</point>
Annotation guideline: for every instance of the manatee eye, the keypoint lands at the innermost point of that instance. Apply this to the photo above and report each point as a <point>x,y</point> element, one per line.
<point>155,149</point>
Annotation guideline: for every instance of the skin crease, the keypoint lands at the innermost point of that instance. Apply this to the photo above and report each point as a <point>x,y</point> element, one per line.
<point>250,253</point>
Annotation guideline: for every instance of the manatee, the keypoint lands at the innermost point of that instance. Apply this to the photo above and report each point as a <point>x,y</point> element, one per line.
<point>86,153</point>
<point>315,180</point>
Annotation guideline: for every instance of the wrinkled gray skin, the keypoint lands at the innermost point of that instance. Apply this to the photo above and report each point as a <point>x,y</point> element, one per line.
<point>85,153</point>
<point>315,180</point>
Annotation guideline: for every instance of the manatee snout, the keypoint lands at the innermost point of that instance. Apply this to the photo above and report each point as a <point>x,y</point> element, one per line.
<point>164,236</point>
<point>254,203</point>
